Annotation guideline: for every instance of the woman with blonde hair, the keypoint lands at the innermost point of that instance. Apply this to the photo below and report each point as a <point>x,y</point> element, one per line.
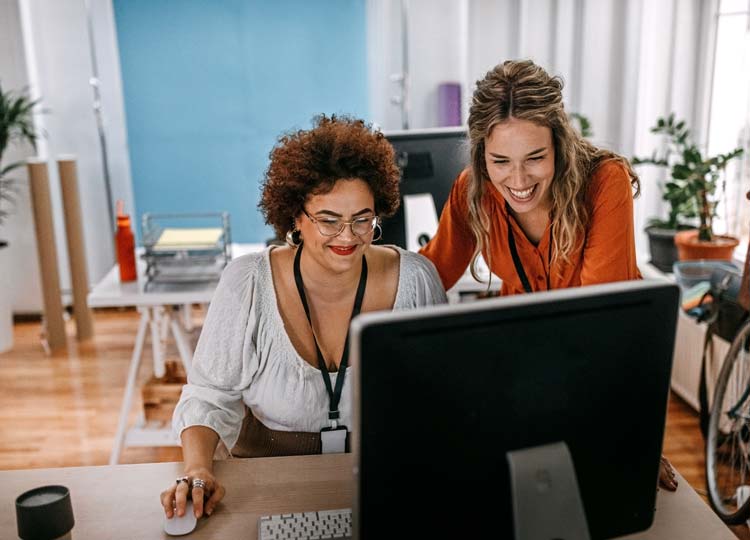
<point>543,206</point>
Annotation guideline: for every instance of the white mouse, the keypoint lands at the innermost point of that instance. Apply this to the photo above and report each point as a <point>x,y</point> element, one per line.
<point>179,525</point>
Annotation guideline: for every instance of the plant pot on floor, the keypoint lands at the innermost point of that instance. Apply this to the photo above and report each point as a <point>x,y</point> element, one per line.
<point>662,247</point>
<point>6,313</point>
<point>689,248</point>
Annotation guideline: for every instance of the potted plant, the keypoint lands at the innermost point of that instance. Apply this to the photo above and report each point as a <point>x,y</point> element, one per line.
<point>16,125</point>
<point>690,192</point>
<point>583,124</point>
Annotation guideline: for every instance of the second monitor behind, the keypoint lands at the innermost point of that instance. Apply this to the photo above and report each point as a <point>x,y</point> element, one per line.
<point>430,160</point>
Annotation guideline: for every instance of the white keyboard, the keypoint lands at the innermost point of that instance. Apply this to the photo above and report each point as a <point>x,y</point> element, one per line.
<point>307,525</point>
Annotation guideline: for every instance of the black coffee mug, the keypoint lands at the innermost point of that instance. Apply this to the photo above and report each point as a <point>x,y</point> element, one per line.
<point>44,513</point>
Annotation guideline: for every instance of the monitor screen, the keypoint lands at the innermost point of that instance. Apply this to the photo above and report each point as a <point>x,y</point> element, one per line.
<point>442,393</point>
<point>430,160</point>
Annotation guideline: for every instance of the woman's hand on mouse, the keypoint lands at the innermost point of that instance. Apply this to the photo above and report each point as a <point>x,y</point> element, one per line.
<point>204,498</point>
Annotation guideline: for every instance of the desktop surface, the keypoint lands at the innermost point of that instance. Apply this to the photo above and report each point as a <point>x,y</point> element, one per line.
<point>121,502</point>
<point>443,393</point>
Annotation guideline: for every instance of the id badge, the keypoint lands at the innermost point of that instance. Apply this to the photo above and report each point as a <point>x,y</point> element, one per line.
<point>333,440</point>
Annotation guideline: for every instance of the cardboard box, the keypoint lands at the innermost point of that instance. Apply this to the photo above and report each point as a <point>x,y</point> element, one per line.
<point>161,395</point>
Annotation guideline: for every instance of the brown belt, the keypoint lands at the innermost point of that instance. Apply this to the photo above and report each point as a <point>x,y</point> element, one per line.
<point>257,440</point>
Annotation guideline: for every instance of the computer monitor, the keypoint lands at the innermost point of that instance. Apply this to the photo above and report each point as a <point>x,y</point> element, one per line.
<point>429,160</point>
<point>441,394</point>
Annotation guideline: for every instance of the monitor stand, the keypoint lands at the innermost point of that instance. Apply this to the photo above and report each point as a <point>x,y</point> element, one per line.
<point>546,501</point>
<point>421,220</point>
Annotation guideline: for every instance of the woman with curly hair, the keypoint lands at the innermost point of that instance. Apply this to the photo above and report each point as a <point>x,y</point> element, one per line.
<point>544,207</point>
<point>269,376</point>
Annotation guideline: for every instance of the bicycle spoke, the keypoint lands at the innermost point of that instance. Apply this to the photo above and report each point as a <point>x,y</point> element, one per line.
<point>732,461</point>
<point>736,446</point>
<point>741,410</point>
<point>728,445</point>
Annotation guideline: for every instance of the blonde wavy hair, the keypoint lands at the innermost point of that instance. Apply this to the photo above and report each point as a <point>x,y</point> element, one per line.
<point>524,91</point>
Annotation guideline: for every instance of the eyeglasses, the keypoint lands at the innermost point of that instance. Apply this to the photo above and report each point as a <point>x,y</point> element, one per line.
<point>332,226</point>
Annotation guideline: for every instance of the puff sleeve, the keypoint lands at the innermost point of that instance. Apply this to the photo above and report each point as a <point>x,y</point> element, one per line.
<point>225,359</point>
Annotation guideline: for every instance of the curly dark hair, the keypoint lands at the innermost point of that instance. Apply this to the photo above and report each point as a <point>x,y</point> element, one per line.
<point>309,162</point>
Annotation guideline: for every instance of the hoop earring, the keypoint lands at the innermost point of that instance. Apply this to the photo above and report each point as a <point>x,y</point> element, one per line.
<point>293,238</point>
<point>380,233</point>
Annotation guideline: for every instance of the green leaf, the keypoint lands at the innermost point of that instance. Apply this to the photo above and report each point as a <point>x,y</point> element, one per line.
<point>694,176</point>
<point>680,172</point>
<point>16,125</point>
<point>5,170</point>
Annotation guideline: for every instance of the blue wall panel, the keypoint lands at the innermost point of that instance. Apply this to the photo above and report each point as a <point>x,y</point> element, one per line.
<point>210,84</point>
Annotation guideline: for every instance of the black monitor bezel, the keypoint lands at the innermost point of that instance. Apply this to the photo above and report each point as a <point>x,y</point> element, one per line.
<point>661,296</point>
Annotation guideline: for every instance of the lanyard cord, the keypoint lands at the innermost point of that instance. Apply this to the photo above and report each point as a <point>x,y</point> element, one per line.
<point>334,395</point>
<point>517,259</point>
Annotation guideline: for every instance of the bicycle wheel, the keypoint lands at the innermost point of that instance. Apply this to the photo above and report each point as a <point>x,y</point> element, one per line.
<point>728,441</point>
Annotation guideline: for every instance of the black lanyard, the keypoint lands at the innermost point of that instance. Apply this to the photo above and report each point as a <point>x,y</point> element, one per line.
<point>334,396</point>
<point>517,260</point>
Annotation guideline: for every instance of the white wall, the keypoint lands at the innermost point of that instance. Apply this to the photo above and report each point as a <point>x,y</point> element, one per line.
<point>383,61</point>
<point>21,276</point>
<point>671,73</point>
<point>493,36</point>
<point>624,63</point>
<point>56,63</point>
<point>436,43</point>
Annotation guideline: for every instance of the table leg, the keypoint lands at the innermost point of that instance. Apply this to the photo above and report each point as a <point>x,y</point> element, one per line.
<point>166,311</point>
<point>127,400</point>
<point>187,317</point>
<point>182,344</point>
<point>157,345</point>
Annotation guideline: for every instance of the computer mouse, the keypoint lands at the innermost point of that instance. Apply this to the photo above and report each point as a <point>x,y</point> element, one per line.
<point>179,525</point>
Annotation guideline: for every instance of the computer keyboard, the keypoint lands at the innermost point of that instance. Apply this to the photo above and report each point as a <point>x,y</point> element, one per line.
<point>307,525</point>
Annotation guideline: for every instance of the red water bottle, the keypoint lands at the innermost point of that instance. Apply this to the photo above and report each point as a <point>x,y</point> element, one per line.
<point>125,245</point>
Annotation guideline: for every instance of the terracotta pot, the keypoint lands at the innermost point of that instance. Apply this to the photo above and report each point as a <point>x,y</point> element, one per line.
<point>689,248</point>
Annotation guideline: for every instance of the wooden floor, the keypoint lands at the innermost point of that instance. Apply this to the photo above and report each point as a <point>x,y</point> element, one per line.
<point>62,410</point>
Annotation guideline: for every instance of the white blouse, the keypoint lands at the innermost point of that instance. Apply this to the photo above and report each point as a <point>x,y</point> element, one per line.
<point>244,354</point>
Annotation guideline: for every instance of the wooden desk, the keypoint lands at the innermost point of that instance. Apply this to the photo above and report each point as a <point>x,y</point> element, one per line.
<point>122,501</point>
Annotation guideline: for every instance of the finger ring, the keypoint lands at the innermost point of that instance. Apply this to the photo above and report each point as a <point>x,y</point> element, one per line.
<point>198,483</point>
<point>185,479</point>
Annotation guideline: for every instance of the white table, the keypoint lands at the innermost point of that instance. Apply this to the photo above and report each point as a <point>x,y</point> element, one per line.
<point>467,285</point>
<point>157,313</point>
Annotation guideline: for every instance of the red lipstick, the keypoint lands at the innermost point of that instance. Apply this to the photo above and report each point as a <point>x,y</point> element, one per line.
<point>343,250</point>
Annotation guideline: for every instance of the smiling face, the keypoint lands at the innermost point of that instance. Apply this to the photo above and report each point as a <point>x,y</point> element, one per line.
<point>520,159</point>
<point>349,200</point>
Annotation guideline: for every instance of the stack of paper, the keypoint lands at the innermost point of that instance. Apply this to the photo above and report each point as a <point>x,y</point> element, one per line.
<point>171,239</point>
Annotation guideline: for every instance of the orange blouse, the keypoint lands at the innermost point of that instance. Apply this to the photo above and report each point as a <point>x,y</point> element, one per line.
<point>607,253</point>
